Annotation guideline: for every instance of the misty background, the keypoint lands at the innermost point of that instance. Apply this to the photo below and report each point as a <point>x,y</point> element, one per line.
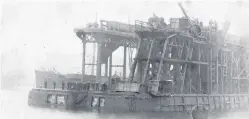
<point>37,34</point>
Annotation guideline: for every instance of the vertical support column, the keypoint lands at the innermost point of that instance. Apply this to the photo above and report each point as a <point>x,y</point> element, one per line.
<point>98,71</point>
<point>93,60</point>
<point>225,73</point>
<point>190,81</point>
<point>199,69</point>
<point>236,74</point>
<point>83,60</point>
<point>139,72</point>
<point>190,72</point>
<point>110,70</point>
<point>106,69</point>
<point>217,71</point>
<point>134,64</point>
<point>238,71</point>
<point>110,66</point>
<point>222,72</point>
<point>209,78</point>
<point>124,62</point>
<point>231,73</point>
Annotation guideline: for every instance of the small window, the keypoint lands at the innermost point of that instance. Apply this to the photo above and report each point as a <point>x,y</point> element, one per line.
<point>101,101</point>
<point>51,99</point>
<point>95,101</point>
<point>61,100</point>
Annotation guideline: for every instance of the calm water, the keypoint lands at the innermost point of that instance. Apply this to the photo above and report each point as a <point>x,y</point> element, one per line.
<point>14,106</point>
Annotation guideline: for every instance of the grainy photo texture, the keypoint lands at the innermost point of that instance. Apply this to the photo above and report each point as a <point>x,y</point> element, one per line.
<point>124,59</point>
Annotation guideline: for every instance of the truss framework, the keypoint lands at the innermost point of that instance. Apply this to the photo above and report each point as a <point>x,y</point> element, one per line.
<point>192,66</point>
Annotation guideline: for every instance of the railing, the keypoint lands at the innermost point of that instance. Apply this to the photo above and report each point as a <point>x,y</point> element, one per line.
<point>207,33</point>
<point>116,26</point>
<point>141,26</point>
<point>129,87</point>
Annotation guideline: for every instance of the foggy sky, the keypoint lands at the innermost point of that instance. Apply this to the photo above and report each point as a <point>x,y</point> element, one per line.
<point>39,28</point>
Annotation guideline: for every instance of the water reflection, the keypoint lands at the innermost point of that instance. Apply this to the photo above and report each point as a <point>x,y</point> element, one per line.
<point>14,106</point>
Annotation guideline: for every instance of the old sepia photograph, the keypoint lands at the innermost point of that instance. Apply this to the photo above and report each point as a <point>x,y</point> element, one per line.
<point>124,59</point>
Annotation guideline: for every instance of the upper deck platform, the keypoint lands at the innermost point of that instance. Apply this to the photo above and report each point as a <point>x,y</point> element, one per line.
<point>101,31</point>
<point>121,33</point>
<point>109,31</point>
<point>118,32</point>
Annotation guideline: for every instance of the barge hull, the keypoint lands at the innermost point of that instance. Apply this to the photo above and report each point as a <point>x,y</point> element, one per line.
<point>135,102</point>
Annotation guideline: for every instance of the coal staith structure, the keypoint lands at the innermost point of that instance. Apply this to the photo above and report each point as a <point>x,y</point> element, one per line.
<point>182,68</point>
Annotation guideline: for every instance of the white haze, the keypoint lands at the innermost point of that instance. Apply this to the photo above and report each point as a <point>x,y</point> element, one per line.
<point>40,29</point>
<point>41,32</point>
